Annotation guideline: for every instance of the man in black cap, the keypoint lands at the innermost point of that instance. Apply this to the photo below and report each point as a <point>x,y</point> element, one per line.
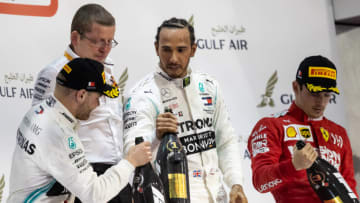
<point>277,166</point>
<point>49,153</point>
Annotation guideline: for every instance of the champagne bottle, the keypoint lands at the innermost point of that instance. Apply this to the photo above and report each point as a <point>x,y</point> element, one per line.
<point>327,182</point>
<point>147,186</point>
<point>171,164</point>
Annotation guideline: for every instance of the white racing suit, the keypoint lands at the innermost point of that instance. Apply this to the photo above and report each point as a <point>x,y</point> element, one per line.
<point>204,129</point>
<point>103,130</point>
<point>48,151</point>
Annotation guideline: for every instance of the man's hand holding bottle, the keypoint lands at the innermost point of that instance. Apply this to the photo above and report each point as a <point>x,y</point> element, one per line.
<point>140,154</point>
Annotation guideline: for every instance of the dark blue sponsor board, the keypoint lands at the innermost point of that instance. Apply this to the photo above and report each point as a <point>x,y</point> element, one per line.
<point>16,92</point>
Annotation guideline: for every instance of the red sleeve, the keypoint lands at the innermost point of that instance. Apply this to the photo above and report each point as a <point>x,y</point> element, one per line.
<point>265,147</point>
<point>347,165</point>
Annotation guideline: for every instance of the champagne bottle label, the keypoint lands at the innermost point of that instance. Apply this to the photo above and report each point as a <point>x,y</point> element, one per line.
<point>177,185</point>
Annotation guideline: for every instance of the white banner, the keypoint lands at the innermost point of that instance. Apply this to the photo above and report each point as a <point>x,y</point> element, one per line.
<point>242,43</point>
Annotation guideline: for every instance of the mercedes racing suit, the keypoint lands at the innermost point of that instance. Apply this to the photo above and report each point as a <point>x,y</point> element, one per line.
<point>48,150</point>
<point>101,134</point>
<point>204,128</point>
<point>271,146</point>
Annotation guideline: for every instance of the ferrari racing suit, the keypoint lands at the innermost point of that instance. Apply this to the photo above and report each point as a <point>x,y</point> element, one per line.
<point>204,128</point>
<point>48,151</point>
<point>271,146</point>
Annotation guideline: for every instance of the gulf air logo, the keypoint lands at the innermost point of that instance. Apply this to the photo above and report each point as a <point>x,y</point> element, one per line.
<point>44,8</point>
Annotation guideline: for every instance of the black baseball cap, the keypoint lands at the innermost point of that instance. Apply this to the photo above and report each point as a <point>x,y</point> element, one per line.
<point>84,73</point>
<point>318,74</point>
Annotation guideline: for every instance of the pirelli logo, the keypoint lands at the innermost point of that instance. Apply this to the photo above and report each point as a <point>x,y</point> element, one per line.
<point>67,69</point>
<point>322,72</point>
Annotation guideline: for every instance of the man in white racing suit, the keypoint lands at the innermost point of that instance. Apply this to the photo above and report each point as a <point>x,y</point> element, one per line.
<point>92,36</point>
<point>49,152</point>
<point>200,117</point>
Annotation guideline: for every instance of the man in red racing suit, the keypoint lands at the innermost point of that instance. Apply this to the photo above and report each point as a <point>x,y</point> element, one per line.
<point>278,167</point>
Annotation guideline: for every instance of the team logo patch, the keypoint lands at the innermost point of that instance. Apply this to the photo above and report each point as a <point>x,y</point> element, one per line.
<point>91,84</point>
<point>127,106</point>
<point>295,132</point>
<point>208,101</point>
<point>201,87</point>
<point>322,72</point>
<point>305,132</point>
<point>165,92</point>
<point>291,132</point>
<point>325,134</point>
<point>72,144</point>
<point>40,110</point>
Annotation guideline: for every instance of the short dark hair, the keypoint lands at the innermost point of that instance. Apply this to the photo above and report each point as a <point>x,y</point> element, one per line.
<point>88,14</point>
<point>176,23</point>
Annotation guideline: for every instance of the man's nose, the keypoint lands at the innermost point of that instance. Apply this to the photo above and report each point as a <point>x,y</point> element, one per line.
<point>174,58</point>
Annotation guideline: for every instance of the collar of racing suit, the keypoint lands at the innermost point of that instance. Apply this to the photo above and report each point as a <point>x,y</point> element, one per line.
<point>63,115</point>
<point>70,55</point>
<point>301,115</point>
<point>179,82</point>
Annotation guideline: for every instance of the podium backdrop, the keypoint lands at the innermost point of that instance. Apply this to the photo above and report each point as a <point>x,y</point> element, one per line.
<point>244,44</point>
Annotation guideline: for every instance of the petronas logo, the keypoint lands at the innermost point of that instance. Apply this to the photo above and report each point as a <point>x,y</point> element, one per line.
<point>122,83</point>
<point>2,185</point>
<point>270,85</point>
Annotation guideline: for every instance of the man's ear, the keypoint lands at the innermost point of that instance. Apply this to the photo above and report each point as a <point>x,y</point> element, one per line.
<point>156,44</point>
<point>81,96</point>
<point>295,87</point>
<point>193,49</point>
<point>74,38</point>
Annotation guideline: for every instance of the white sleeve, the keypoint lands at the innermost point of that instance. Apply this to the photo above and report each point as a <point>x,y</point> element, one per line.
<point>44,84</point>
<point>227,144</point>
<point>63,157</point>
<point>140,113</point>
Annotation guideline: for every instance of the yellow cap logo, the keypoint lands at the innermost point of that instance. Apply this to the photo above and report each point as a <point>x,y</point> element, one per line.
<point>322,72</point>
<point>103,76</point>
<point>67,69</point>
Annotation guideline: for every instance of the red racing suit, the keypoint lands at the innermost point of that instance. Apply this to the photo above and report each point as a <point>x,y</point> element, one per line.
<point>271,146</point>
